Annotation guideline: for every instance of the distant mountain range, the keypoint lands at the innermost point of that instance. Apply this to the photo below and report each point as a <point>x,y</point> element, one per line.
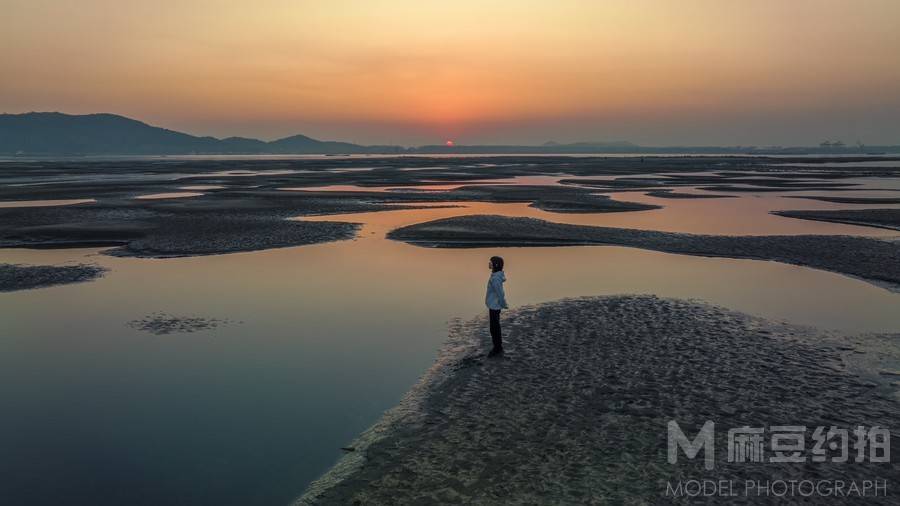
<point>53,133</point>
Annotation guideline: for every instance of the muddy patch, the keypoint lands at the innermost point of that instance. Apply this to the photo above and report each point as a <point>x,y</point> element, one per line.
<point>24,277</point>
<point>882,218</point>
<point>850,200</point>
<point>669,194</point>
<point>160,323</point>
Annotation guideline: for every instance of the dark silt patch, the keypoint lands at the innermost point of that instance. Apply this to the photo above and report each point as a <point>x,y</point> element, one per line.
<point>849,200</point>
<point>577,411</point>
<point>558,199</point>
<point>593,204</point>
<point>171,229</point>
<point>214,235</point>
<point>760,189</point>
<point>23,277</point>
<point>669,194</point>
<point>871,259</point>
<point>758,181</point>
<point>882,218</point>
<point>160,323</point>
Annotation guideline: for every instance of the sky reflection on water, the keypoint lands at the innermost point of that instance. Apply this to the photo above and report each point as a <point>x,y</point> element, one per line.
<point>331,336</point>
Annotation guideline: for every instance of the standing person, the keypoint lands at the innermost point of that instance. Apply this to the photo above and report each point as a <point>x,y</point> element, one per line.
<point>495,300</point>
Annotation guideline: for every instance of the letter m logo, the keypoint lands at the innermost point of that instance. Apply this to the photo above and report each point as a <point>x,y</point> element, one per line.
<point>705,441</point>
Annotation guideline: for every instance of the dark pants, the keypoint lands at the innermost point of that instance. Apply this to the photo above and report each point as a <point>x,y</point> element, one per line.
<point>495,329</point>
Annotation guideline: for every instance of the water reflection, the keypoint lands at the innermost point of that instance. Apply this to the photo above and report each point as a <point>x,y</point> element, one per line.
<point>745,216</point>
<point>168,195</point>
<point>43,203</point>
<point>332,335</point>
<point>202,187</point>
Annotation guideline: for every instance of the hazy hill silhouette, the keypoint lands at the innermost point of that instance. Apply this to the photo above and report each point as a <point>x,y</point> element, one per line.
<point>53,133</point>
<point>304,144</point>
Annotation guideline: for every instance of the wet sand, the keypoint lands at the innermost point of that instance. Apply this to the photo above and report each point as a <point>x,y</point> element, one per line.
<point>669,194</point>
<point>170,229</point>
<point>874,260</point>
<point>24,277</point>
<point>850,200</point>
<point>216,235</point>
<point>576,412</point>
<point>881,218</point>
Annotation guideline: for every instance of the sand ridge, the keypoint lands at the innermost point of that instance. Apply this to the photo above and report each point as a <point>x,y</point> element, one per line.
<point>874,260</point>
<point>888,218</point>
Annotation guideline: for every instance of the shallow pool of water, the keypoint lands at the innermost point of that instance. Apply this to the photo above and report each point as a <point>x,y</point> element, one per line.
<point>322,340</point>
<point>202,187</point>
<point>43,203</point>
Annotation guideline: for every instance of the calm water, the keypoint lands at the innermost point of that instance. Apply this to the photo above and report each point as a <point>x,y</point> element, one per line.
<point>44,203</point>
<point>325,338</point>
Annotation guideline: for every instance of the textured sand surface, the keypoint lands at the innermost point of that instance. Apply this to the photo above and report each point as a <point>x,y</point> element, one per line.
<point>882,218</point>
<point>669,194</point>
<point>23,277</point>
<point>243,203</point>
<point>850,200</point>
<point>577,411</point>
<point>160,323</point>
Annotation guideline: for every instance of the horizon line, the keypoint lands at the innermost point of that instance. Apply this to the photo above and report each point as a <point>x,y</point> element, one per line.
<point>450,144</point>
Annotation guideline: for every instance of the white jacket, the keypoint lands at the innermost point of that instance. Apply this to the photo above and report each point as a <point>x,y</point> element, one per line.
<point>495,298</point>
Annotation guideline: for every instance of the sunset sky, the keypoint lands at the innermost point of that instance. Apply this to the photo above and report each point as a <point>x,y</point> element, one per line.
<point>699,72</point>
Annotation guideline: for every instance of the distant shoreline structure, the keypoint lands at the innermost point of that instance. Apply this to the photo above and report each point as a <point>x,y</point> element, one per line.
<point>53,134</point>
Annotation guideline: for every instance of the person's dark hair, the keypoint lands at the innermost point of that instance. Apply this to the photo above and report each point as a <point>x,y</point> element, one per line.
<point>497,263</point>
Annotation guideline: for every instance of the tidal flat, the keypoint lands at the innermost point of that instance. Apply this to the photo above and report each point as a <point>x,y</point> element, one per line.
<point>270,312</point>
<point>245,204</point>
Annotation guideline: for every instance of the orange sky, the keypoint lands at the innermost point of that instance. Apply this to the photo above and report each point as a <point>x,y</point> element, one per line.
<point>414,72</point>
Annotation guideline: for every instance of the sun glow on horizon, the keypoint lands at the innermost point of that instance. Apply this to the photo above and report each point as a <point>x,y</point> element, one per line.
<point>646,70</point>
